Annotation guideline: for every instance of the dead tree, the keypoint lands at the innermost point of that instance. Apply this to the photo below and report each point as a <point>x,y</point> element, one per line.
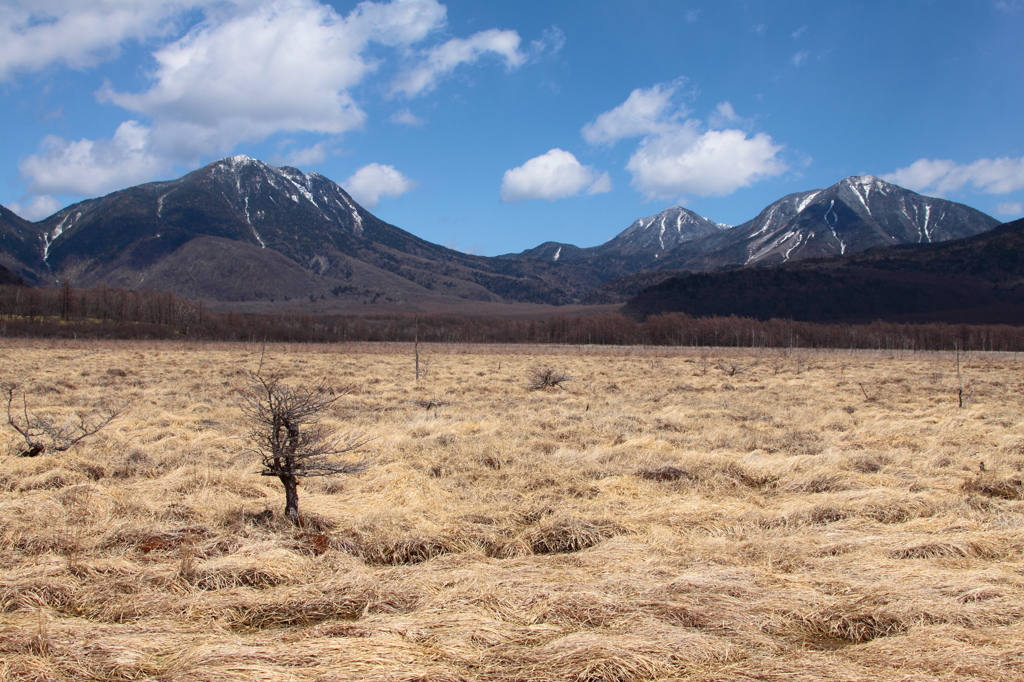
<point>285,428</point>
<point>45,433</point>
<point>546,377</point>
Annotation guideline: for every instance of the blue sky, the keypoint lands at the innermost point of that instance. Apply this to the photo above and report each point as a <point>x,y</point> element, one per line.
<point>492,127</point>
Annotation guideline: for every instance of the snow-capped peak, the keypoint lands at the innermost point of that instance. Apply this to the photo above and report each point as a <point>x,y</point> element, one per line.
<point>241,160</point>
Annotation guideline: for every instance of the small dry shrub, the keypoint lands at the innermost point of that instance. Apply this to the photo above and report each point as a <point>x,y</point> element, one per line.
<point>546,377</point>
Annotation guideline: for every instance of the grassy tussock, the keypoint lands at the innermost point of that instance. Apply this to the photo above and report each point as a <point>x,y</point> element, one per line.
<point>814,516</point>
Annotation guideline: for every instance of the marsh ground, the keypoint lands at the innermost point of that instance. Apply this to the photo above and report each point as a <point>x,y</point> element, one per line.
<point>695,514</point>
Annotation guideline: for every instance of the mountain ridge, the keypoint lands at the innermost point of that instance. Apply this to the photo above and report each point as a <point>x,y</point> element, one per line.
<point>970,280</point>
<point>304,217</point>
<point>853,215</point>
<point>241,230</point>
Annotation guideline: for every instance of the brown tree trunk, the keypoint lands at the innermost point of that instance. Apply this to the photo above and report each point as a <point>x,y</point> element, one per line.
<point>291,497</point>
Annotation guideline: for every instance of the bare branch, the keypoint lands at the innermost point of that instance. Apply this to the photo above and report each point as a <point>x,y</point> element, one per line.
<point>43,433</point>
<point>288,436</point>
<point>546,377</point>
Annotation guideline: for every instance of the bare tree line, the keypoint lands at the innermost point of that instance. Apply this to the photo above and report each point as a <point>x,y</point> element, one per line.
<point>104,312</point>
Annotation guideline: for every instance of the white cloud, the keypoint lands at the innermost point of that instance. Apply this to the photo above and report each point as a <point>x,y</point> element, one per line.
<point>799,58</point>
<point>1010,208</point>
<point>373,181</point>
<point>712,163</point>
<point>251,70</point>
<point>443,59</point>
<point>285,67</point>
<point>406,117</point>
<point>679,156</point>
<point>90,167</point>
<point>399,22</point>
<point>723,116</point>
<point>554,175</point>
<point>79,33</point>
<point>36,208</point>
<point>550,42</point>
<point>645,111</point>
<point>942,176</point>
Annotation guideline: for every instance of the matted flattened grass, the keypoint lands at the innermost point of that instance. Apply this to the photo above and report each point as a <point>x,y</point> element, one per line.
<point>668,514</point>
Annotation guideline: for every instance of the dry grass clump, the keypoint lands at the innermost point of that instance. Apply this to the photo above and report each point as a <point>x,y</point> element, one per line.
<point>560,535</point>
<point>669,514</point>
<point>1008,488</point>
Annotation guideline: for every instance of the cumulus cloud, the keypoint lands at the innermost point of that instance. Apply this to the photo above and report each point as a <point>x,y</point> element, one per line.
<point>443,59</point>
<point>249,70</point>
<point>645,111</point>
<point>373,181</point>
<point>554,175</point>
<point>678,156</point>
<point>942,176</point>
<point>78,33</point>
<point>94,167</point>
<point>287,66</point>
<point>36,208</point>
<point>711,163</point>
<point>1010,208</point>
<point>399,22</point>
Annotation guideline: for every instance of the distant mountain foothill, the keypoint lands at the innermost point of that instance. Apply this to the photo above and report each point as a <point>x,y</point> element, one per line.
<point>241,233</point>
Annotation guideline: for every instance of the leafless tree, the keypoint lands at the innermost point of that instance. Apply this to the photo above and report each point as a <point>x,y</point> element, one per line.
<point>285,427</point>
<point>46,433</point>
<point>546,378</point>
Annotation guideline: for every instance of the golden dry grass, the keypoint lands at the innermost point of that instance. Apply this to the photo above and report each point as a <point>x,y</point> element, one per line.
<point>671,514</point>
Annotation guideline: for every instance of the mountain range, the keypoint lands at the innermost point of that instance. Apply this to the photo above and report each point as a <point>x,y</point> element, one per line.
<point>244,233</point>
<point>976,280</point>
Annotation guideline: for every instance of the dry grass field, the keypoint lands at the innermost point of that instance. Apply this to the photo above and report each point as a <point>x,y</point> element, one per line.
<point>690,514</point>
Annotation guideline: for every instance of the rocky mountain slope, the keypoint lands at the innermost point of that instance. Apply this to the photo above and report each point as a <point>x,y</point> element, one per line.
<point>854,215</point>
<point>637,248</point>
<point>979,279</point>
<point>19,255</point>
<point>239,230</point>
